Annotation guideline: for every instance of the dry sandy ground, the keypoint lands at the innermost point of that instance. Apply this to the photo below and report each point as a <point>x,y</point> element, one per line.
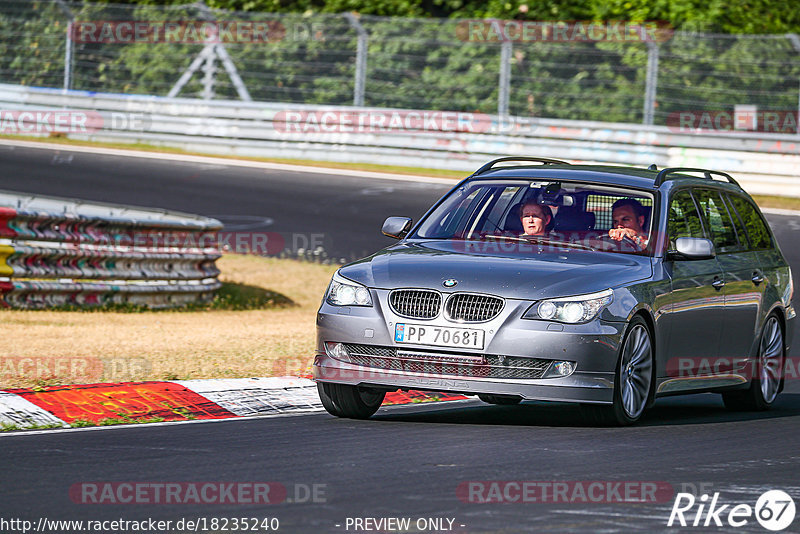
<point>56,347</point>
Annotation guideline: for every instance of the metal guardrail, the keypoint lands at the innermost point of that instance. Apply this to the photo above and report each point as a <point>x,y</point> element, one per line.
<point>61,252</point>
<point>764,163</point>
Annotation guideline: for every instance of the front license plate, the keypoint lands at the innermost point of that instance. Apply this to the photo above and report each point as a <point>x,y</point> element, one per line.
<point>440,336</point>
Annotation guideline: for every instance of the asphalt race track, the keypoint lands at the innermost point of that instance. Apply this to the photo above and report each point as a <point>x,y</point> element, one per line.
<point>346,213</point>
<point>407,461</point>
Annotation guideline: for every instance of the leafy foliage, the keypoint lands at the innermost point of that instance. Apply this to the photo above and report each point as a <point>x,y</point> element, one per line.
<point>419,63</point>
<point>719,16</point>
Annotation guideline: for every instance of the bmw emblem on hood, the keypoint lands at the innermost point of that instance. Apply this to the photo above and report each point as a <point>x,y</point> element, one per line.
<point>450,282</point>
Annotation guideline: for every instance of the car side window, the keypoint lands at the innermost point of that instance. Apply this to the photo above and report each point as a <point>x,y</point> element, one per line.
<point>684,221</point>
<point>737,223</point>
<point>753,222</point>
<point>717,219</point>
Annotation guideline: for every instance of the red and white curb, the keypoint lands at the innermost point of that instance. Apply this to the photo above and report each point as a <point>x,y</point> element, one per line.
<point>16,411</point>
<point>178,400</point>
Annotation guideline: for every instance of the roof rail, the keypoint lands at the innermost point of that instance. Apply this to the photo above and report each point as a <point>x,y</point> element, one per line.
<point>662,176</point>
<point>544,161</point>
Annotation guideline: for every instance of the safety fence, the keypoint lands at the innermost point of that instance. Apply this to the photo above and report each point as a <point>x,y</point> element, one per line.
<point>618,71</point>
<point>765,163</point>
<point>67,253</point>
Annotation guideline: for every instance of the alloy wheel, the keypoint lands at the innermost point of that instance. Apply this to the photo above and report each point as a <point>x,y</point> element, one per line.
<point>636,371</point>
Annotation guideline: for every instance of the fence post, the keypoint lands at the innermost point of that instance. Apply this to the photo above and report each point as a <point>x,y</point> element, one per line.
<point>68,49</point>
<point>651,84</point>
<point>361,59</point>
<point>795,40</point>
<point>209,77</point>
<point>504,87</point>
<point>68,60</point>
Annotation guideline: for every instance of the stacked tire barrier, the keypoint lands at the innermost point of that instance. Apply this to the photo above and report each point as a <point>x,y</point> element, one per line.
<point>61,252</point>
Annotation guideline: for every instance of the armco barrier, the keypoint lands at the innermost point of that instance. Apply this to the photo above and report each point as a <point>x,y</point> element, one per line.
<point>61,252</point>
<point>764,163</point>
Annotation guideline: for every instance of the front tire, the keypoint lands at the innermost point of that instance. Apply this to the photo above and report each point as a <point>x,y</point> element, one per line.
<point>633,380</point>
<point>767,376</point>
<point>352,402</point>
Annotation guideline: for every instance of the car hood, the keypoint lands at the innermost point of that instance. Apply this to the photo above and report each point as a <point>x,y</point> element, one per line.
<point>531,274</point>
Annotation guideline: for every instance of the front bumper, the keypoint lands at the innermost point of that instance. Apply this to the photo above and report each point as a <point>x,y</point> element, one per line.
<point>593,347</point>
<point>578,387</point>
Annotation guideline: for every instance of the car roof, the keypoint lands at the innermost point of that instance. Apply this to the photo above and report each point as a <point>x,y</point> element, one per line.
<point>602,174</point>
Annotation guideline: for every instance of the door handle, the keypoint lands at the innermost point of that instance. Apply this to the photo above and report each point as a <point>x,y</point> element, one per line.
<point>717,283</point>
<point>757,278</point>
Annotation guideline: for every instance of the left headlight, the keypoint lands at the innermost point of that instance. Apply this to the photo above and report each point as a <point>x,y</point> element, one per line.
<point>577,309</point>
<point>344,292</point>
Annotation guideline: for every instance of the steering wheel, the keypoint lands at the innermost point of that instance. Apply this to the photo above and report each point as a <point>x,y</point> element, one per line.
<point>608,243</point>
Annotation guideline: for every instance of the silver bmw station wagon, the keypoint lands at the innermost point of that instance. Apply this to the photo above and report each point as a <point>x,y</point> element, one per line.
<point>540,280</point>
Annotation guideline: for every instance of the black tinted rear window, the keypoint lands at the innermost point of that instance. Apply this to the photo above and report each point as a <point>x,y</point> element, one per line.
<point>756,227</point>
<point>717,219</point>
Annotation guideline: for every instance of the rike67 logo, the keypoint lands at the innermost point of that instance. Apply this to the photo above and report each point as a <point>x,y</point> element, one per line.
<point>774,510</point>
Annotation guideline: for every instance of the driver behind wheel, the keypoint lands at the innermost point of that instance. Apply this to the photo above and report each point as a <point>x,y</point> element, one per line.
<point>628,215</point>
<point>535,218</point>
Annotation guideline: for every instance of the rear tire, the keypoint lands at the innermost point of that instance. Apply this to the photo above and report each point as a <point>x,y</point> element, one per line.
<point>767,376</point>
<point>502,400</point>
<point>633,380</point>
<point>352,402</point>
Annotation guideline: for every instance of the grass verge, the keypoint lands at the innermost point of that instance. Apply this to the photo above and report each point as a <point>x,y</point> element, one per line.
<point>238,339</point>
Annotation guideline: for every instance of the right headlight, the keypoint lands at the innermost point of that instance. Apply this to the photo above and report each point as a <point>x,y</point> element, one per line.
<point>344,292</point>
<point>577,309</point>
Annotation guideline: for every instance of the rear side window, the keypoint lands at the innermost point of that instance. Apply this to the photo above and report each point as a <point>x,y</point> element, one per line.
<point>684,221</point>
<point>601,207</point>
<point>753,222</point>
<point>718,221</point>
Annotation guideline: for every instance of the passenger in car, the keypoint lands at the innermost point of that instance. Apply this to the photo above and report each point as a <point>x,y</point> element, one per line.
<point>535,218</point>
<point>628,217</point>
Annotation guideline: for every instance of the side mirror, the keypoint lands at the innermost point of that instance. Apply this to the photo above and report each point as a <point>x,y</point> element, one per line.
<point>396,227</point>
<point>692,248</point>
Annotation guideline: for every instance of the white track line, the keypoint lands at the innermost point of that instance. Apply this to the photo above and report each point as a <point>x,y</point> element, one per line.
<point>779,211</point>
<point>264,165</point>
<point>143,425</point>
<point>229,162</point>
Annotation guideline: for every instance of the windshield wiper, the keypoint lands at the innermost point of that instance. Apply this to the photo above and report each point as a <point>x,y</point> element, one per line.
<point>541,240</point>
<point>508,237</point>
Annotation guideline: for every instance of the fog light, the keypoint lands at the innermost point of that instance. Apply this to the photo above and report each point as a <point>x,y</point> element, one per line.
<point>560,369</point>
<point>337,350</point>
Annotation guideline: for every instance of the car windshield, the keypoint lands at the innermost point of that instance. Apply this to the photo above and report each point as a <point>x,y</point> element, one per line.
<point>560,213</point>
